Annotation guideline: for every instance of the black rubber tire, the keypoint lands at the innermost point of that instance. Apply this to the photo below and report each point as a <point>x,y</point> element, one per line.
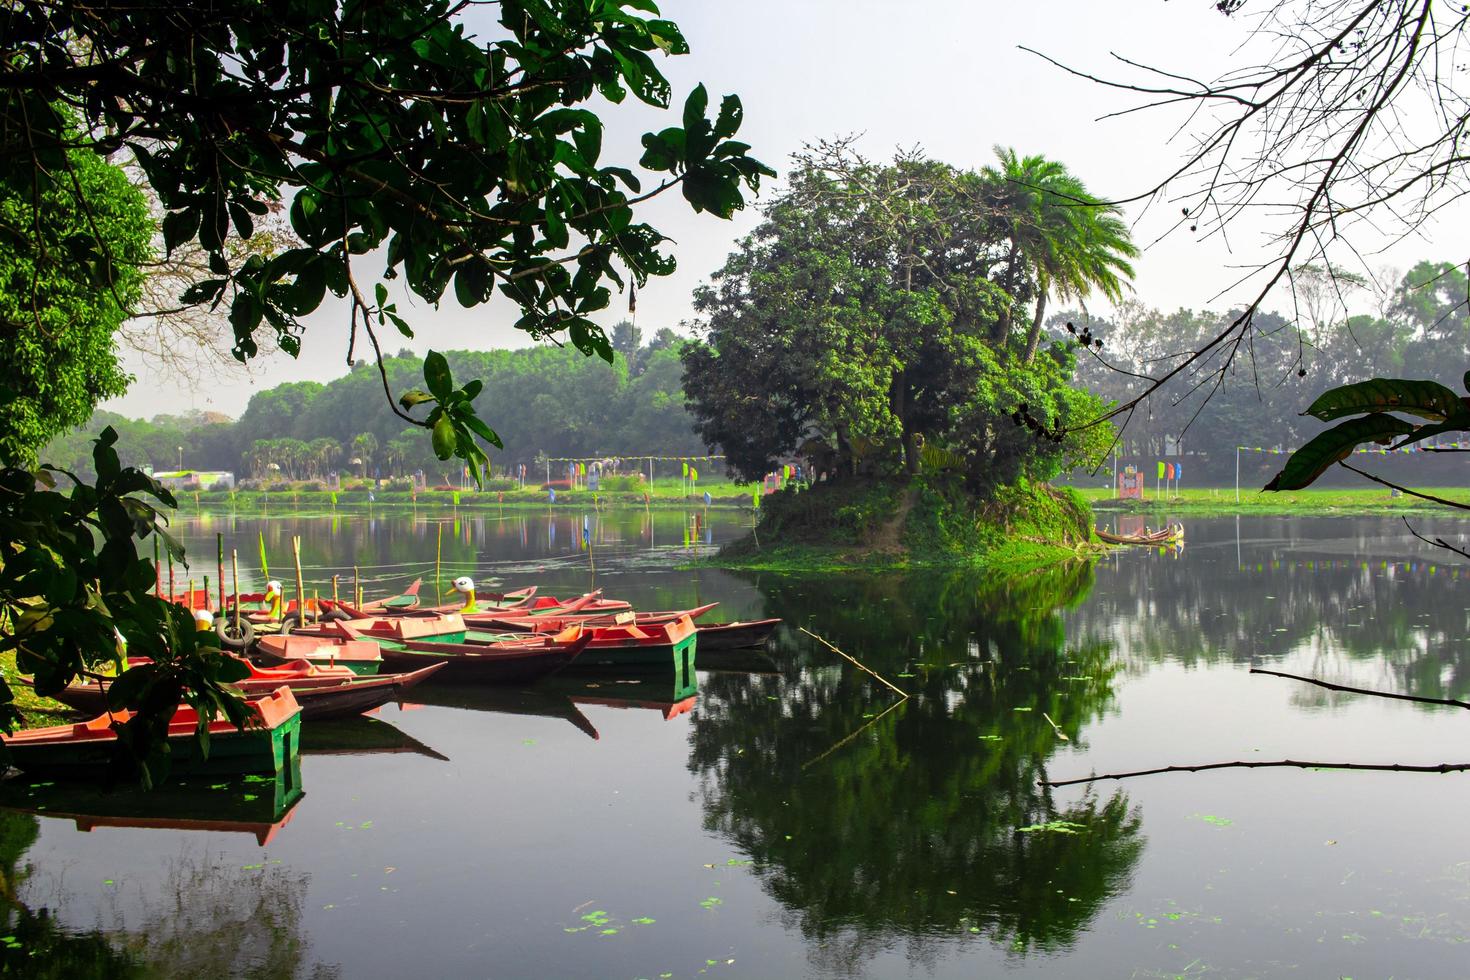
<point>228,640</point>
<point>335,616</point>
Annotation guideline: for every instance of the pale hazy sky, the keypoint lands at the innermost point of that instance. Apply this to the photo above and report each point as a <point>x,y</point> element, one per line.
<point>946,75</point>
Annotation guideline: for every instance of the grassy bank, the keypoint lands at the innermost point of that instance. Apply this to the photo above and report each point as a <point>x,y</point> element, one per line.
<point>670,494</point>
<point>1204,502</point>
<point>39,712</point>
<point>897,524</point>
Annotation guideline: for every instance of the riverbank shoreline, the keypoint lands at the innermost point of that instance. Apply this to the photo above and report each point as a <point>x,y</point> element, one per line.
<point>1215,502</point>
<point>302,502</point>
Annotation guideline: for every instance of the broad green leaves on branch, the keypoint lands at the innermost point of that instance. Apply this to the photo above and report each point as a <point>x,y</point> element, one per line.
<point>455,151</point>
<point>1372,401</point>
<point>452,421</point>
<point>74,596</point>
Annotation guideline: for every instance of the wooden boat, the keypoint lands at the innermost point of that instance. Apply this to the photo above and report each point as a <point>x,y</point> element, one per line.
<point>397,606</point>
<point>513,623</point>
<point>1168,535</point>
<point>734,636</point>
<point>661,646</point>
<point>539,606</point>
<point>361,658</point>
<point>273,742</point>
<point>322,692</point>
<point>405,644</point>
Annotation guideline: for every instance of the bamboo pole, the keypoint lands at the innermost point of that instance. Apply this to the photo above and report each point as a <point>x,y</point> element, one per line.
<point>300,583</point>
<point>219,554</point>
<point>170,578</point>
<point>438,560</point>
<point>157,570</point>
<point>334,589</point>
<point>854,661</point>
<point>356,588</point>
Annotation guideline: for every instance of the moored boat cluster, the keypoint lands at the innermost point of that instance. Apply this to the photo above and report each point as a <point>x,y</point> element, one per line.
<point>338,660</point>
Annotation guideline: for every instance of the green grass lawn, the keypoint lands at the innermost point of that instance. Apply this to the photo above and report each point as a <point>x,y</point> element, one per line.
<point>39,712</point>
<point>1355,500</point>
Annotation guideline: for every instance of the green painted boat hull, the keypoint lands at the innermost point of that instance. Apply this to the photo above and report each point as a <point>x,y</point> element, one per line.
<point>251,751</point>
<point>677,658</point>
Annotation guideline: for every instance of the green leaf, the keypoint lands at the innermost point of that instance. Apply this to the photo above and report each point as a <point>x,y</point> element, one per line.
<point>1338,442</point>
<point>444,437</point>
<point>436,376</point>
<point>731,114</point>
<point>414,396</point>
<point>1427,399</point>
<point>482,430</point>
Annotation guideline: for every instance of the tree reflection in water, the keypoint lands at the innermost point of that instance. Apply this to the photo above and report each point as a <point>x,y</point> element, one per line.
<point>913,829</point>
<point>208,919</point>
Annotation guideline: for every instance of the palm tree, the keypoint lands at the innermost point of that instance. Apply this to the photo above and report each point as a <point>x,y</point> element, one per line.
<point>365,447</point>
<point>1072,241</point>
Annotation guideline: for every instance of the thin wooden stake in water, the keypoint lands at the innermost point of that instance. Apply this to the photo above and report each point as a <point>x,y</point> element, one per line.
<point>334,589</point>
<point>854,661</point>
<point>300,583</point>
<point>356,588</point>
<point>265,570</point>
<point>219,554</point>
<point>438,559</point>
<point>1055,727</point>
<point>157,571</point>
<point>170,578</point>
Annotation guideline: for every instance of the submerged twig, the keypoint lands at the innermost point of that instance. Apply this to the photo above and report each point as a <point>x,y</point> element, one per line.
<point>856,663</point>
<point>1451,702</point>
<point>1284,763</point>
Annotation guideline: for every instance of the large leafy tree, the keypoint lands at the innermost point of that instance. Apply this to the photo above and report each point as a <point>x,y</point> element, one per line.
<point>858,325</point>
<point>60,302</point>
<point>397,137</point>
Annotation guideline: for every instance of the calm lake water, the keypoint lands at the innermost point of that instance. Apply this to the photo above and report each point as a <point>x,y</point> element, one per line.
<point>794,819</point>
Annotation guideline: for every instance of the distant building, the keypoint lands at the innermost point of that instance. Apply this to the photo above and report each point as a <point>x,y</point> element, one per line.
<point>197,479</point>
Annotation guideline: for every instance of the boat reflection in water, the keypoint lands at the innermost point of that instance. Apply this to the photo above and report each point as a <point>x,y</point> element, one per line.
<point>363,736</point>
<point>259,805</point>
<point>535,701</point>
<point>671,694</point>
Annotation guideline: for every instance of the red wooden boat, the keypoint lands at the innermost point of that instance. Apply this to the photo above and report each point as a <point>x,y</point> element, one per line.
<point>405,644</point>
<point>513,623</point>
<point>361,658</point>
<point>271,744</point>
<point>661,645</point>
<point>322,692</point>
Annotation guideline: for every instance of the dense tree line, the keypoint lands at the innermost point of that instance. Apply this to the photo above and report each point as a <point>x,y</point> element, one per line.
<point>1344,329</point>
<point>541,400</point>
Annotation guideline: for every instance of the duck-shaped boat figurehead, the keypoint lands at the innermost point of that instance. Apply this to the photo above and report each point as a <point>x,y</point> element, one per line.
<point>466,587</point>
<point>273,596</point>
